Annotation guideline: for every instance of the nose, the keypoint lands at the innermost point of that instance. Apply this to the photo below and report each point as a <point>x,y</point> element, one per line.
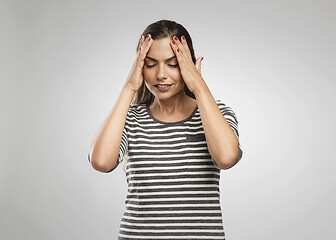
<point>161,72</point>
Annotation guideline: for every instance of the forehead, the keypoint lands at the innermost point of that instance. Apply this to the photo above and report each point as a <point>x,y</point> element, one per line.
<point>161,49</point>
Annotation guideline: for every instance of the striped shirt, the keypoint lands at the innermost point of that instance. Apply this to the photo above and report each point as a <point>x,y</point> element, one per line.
<point>173,182</point>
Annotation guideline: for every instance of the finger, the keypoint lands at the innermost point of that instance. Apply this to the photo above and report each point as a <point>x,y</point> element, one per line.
<point>178,43</point>
<point>185,46</point>
<point>143,49</point>
<point>146,46</point>
<point>198,63</point>
<point>147,43</point>
<point>141,42</point>
<point>176,50</point>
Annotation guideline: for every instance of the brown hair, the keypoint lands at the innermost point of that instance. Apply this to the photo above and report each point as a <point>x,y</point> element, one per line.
<point>159,30</point>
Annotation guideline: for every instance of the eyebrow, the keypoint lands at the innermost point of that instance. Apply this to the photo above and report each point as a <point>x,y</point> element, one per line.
<point>168,59</point>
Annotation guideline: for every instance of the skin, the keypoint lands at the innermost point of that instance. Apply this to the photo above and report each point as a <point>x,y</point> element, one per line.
<point>161,67</point>
<point>221,140</point>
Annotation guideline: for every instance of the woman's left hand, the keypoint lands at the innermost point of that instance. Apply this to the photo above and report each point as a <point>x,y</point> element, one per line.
<point>191,73</point>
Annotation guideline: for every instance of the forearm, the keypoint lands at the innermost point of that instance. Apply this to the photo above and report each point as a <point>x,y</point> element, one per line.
<point>221,139</point>
<point>104,149</point>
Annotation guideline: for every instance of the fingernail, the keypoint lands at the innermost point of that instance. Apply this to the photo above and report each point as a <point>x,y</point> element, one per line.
<point>183,37</point>
<point>173,42</point>
<point>202,58</point>
<point>149,38</point>
<point>141,36</point>
<point>178,50</point>
<point>175,38</point>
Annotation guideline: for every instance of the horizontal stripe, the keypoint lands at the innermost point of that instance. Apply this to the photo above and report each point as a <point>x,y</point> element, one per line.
<point>173,195</point>
<point>174,214</point>
<point>172,233</point>
<point>173,182</point>
<point>171,203</point>
<point>188,220</point>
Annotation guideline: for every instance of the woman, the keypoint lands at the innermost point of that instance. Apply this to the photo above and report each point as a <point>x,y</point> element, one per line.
<point>176,139</point>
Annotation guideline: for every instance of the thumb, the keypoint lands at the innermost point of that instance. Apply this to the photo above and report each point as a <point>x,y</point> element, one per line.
<point>198,63</point>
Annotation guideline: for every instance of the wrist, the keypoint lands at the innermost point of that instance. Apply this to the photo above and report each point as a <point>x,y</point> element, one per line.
<point>200,89</point>
<point>128,89</point>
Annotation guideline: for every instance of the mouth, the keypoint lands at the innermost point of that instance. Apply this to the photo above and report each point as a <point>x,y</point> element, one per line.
<point>163,87</point>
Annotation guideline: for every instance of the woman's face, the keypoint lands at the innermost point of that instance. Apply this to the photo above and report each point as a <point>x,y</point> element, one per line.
<point>161,67</point>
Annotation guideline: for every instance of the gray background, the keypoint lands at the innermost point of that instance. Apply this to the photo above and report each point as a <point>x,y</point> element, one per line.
<point>63,64</point>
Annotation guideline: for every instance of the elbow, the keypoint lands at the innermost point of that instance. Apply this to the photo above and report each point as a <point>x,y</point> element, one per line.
<point>224,165</point>
<point>99,165</point>
<point>229,160</point>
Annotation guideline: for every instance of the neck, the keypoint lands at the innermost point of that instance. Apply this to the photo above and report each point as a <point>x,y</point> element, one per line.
<point>169,106</point>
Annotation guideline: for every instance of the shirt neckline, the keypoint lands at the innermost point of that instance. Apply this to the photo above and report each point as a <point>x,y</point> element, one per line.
<point>171,123</point>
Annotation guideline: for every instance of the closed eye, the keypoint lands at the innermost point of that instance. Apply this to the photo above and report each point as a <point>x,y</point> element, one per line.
<point>170,65</point>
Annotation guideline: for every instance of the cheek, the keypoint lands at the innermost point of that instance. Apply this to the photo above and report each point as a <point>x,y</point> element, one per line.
<point>147,74</point>
<point>176,74</point>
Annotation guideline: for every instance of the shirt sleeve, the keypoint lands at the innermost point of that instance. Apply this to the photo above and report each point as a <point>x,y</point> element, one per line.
<point>123,150</point>
<point>232,120</point>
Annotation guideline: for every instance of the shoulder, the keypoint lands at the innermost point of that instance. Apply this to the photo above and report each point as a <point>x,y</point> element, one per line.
<point>221,105</point>
<point>225,109</point>
<point>136,108</point>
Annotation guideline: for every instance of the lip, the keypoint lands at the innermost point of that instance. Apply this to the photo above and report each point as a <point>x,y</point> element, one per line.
<point>163,89</point>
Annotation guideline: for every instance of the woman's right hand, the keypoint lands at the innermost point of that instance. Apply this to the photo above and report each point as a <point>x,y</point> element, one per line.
<point>135,77</point>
